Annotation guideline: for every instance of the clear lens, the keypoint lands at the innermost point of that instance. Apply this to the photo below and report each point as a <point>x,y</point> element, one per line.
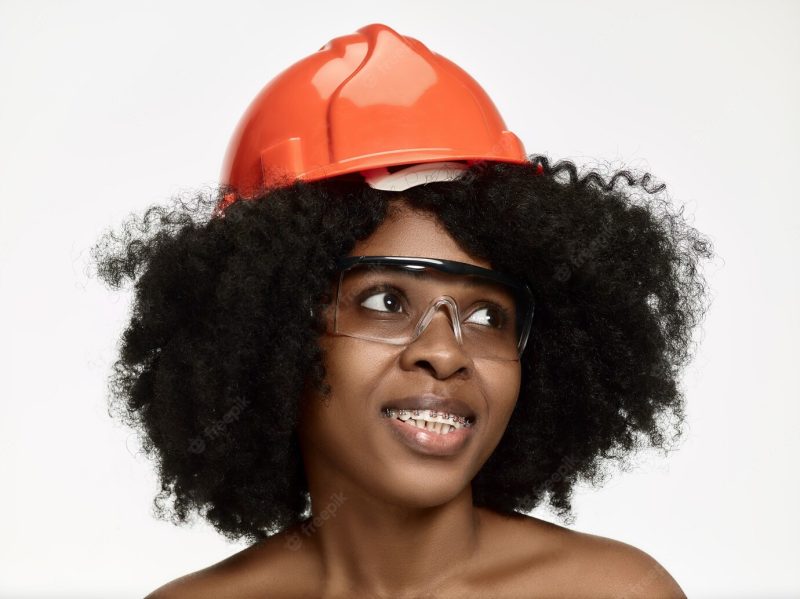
<point>394,304</point>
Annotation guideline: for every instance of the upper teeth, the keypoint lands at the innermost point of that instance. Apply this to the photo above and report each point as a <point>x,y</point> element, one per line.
<point>431,416</point>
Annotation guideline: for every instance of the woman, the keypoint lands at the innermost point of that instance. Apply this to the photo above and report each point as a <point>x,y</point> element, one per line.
<point>394,334</point>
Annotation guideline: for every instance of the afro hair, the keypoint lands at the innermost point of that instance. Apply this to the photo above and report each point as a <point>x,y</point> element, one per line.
<point>222,338</point>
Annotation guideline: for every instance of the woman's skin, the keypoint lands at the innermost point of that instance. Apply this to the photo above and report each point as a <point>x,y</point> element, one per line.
<point>394,523</point>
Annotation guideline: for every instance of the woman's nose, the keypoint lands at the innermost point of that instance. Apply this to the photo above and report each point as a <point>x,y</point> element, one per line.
<point>437,347</point>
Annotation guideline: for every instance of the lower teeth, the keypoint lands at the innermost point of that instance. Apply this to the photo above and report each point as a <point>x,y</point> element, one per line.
<point>442,431</point>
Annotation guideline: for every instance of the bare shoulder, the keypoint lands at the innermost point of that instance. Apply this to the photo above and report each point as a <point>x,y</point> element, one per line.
<point>200,584</point>
<point>559,561</point>
<point>273,568</point>
<point>623,570</point>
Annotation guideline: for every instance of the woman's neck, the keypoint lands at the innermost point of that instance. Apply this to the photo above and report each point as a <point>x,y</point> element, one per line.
<point>378,549</point>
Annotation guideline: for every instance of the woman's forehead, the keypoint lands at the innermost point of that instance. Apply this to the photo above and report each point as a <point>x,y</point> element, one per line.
<point>410,232</point>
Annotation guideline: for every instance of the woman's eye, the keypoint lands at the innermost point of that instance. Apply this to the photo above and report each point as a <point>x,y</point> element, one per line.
<point>487,316</point>
<point>382,302</point>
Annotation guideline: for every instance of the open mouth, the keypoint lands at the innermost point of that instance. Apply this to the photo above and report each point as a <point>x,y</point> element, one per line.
<point>442,423</point>
<point>430,433</point>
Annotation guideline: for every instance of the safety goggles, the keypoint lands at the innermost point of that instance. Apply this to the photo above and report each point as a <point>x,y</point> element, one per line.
<point>393,299</point>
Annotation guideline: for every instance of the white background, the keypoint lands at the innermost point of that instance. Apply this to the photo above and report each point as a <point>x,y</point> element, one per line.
<point>108,107</point>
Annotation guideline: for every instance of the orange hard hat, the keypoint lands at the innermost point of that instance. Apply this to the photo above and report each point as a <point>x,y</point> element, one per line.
<point>361,103</point>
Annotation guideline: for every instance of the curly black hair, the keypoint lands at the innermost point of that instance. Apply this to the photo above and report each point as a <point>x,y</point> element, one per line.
<point>222,340</point>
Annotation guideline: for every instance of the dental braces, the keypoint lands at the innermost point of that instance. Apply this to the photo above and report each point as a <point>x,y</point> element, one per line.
<point>394,413</point>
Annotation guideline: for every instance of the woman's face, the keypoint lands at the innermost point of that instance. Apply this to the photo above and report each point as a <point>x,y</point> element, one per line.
<point>347,440</point>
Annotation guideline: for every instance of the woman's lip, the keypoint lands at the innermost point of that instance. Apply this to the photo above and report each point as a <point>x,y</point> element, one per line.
<point>429,442</point>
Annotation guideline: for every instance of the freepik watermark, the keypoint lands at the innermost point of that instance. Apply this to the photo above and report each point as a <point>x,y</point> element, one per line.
<point>639,588</point>
<point>579,257</point>
<point>567,465</point>
<point>214,430</point>
<point>295,540</point>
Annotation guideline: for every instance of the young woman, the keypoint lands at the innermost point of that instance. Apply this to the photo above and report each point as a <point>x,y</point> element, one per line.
<point>392,333</point>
